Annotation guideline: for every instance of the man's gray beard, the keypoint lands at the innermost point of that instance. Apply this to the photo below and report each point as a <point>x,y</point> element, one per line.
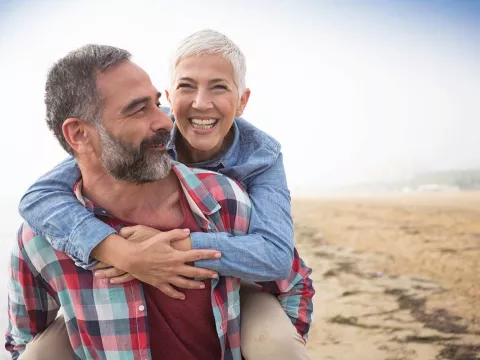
<point>137,165</point>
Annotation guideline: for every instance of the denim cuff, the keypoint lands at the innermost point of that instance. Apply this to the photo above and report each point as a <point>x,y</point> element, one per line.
<point>85,237</point>
<point>205,241</point>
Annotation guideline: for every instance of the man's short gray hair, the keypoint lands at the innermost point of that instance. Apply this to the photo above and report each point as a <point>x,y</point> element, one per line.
<point>71,88</point>
<point>209,42</point>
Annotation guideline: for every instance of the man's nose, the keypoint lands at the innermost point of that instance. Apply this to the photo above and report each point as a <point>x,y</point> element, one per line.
<point>202,100</point>
<point>161,121</point>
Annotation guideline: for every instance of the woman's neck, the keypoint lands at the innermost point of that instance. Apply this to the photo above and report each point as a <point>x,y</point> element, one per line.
<point>189,155</point>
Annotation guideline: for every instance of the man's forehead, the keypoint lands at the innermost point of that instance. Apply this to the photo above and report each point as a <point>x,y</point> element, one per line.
<point>125,80</point>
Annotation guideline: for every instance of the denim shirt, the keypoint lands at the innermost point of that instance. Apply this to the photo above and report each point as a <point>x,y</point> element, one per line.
<point>254,159</point>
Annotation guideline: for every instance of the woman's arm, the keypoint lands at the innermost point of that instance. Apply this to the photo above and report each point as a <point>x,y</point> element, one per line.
<point>266,253</point>
<point>51,209</point>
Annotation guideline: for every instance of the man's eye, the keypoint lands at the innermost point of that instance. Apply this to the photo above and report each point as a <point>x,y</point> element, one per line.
<point>140,110</point>
<point>220,87</point>
<point>159,104</point>
<point>183,85</point>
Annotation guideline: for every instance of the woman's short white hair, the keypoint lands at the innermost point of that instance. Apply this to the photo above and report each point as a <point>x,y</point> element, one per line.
<point>208,42</point>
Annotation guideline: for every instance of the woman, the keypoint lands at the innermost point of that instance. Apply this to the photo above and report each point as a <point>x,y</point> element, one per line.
<point>207,93</point>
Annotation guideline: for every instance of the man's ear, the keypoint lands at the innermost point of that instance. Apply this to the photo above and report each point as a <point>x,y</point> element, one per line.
<point>242,103</point>
<point>77,135</point>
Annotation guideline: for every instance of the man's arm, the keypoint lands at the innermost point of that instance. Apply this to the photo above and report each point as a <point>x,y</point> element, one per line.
<point>148,256</point>
<point>30,307</point>
<point>295,294</point>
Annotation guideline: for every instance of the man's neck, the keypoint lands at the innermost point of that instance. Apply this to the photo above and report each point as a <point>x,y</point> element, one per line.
<point>136,204</point>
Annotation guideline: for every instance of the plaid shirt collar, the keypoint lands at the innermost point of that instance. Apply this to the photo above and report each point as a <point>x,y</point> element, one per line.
<point>199,198</point>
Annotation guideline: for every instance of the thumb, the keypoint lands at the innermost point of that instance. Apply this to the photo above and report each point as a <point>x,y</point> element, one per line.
<point>127,231</point>
<point>176,234</point>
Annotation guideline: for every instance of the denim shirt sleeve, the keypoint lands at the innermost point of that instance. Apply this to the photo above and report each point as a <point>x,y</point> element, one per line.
<point>266,253</point>
<point>50,208</point>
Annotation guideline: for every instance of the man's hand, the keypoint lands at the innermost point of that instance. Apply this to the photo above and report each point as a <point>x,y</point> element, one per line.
<point>141,233</point>
<point>135,233</point>
<point>116,276</point>
<point>156,262</point>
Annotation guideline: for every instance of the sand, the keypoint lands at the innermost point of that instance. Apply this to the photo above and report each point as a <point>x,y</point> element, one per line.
<point>396,276</point>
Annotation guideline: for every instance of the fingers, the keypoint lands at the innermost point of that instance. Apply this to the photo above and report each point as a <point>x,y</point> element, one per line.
<point>122,279</point>
<point>109,273</point>
<point>100,265</point>
<point>174,235</point>
<point>195,272</point>
<point>128,231</point>
<point>168,290</point>
<point>181,282</point>
<point>196,255</point>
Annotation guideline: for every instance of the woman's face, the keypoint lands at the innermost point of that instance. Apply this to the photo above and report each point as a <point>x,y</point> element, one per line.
<point>204,99</point>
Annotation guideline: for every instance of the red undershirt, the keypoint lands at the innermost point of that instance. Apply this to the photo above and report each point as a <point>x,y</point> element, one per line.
<point>182,329</point>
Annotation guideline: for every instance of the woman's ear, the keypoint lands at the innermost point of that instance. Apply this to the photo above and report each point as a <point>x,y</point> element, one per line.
<point>242,102</point>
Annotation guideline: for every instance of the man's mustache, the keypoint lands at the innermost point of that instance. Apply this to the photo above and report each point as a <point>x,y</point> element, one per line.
<point>160,138</point>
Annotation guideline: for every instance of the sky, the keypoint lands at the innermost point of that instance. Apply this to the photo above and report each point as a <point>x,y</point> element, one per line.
<point>355,91</point>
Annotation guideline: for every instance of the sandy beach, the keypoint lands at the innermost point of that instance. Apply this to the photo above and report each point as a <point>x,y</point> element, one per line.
<point>396,276</point>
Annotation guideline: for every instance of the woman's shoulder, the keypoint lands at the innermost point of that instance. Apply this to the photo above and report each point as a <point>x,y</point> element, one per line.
<point>251,138</point>
<point>253,153</point>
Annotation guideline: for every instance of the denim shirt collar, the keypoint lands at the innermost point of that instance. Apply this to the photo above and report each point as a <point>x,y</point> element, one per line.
<point>224,160</point>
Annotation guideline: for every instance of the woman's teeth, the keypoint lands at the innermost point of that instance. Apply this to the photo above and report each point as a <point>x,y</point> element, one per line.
<point>203,124</point>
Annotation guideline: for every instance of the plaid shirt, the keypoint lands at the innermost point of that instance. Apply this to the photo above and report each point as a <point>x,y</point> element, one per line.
<point>108,321</point>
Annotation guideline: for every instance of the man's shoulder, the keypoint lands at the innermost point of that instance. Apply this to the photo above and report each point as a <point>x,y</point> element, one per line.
<point>25,235</point>
<point>36,248</point>
<point>26,247</point>
<point>209,192</point>
<point>235,207</point>
<point>221,187</point>
<point>251,136</point>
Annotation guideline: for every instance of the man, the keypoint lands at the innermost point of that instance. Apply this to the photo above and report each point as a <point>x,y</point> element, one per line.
<point>104,110</point>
